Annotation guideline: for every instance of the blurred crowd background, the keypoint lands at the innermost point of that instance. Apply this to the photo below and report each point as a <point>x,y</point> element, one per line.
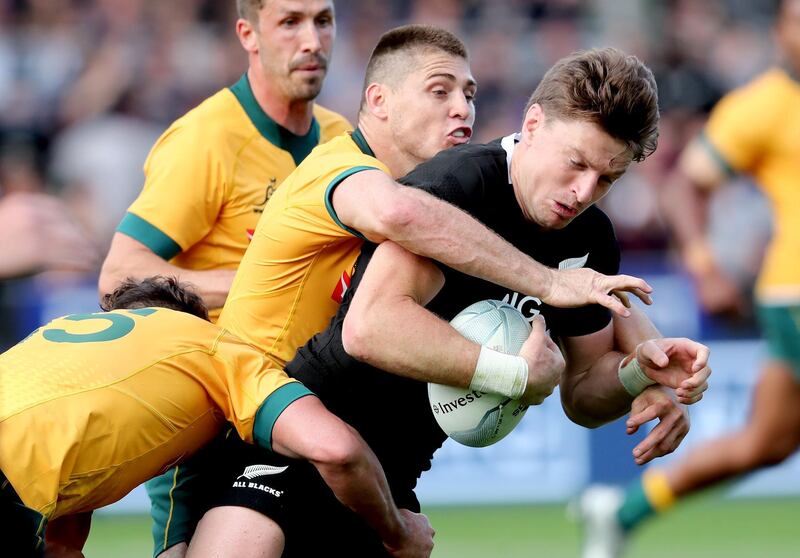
<point>86,86</point>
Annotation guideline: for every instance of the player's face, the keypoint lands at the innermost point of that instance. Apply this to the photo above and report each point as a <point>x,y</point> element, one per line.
<point>295,40</point>
<point>788,30</point>
<point>563,167</point>
<point>433,108</point>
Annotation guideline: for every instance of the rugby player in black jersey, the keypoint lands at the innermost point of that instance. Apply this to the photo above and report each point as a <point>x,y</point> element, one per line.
<point>593,114</point>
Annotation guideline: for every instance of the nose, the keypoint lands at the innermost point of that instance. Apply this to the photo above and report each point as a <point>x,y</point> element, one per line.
<point>461,107</point>
<point>310,38</point>
<point>584,187</point>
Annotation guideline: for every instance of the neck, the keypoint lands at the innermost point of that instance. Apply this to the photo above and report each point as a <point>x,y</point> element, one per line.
<point>295,116</point>
<point>379,138</point>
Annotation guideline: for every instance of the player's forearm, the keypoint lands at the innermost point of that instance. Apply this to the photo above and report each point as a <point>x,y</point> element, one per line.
<point>594,396</point>
<point>636,328</point>
<point>414,343</point>
<point>129,258</point>
<point>443,232</point>
<point>686,210</point>
<point>358,482</point>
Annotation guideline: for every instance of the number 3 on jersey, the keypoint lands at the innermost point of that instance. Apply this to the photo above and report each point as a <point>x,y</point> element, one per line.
<point>116,326</point>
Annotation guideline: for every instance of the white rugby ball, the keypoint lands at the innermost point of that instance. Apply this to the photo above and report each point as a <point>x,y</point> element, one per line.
<point>470,417</point>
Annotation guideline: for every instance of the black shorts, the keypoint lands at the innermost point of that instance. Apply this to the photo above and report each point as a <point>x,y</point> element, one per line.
<point>293,494</point>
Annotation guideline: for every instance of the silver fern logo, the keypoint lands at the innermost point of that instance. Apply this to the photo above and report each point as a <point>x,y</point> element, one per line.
<point>254,471</point>
<point>574,263</point>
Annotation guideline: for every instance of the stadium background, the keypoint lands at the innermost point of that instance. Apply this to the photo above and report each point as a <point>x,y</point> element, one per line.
<point>86,86</point>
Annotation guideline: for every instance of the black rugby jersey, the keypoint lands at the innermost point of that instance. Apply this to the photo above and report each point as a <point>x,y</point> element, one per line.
<point>392,412</point>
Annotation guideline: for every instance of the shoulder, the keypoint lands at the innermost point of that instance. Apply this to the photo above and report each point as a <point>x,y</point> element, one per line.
<point>760,93</point>
<point>463,163</point>
<point>213,123</point>
<point>330,120</point>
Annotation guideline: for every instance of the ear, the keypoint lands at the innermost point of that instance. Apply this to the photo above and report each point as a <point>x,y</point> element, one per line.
<point>247,35</point>
<point>377,99</point>
<point>534,120</point>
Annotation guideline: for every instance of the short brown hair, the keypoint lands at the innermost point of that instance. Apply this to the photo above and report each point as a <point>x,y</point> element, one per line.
<point>609,88</point>
<point>389,62</point>
<point>163,292</point>
<point>248,9</point>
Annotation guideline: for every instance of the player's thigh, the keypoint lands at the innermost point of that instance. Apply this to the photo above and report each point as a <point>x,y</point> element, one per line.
<point>287,493</point>
<point>238,533</point>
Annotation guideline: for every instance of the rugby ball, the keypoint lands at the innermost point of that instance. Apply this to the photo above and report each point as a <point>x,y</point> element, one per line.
<point>471,417</point>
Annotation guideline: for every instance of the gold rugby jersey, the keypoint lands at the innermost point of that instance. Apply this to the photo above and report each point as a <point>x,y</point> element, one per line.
<point>210,174</point>
<point>92,405</point>
<point>756,130</point>
<point>291,279</point>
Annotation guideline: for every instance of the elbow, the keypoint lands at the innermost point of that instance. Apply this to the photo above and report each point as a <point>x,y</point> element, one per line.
<point>399,215</point>
<point>339,455</point>
<point>357,336</point>
<point>579,413</point>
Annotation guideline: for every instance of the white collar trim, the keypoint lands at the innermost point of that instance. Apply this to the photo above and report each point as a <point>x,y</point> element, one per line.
<point>509,143</point>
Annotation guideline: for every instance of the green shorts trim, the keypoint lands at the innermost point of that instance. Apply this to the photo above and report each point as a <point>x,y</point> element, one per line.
<point>173,510</point>
<point>780,326</point>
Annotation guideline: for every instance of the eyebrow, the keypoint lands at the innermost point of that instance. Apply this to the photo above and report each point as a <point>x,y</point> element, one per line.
<point>450,77</point>
<point>613,172</point>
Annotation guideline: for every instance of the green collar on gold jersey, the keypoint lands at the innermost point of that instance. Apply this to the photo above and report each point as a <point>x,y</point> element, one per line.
<point>298,146</point>
<point>361,142</point>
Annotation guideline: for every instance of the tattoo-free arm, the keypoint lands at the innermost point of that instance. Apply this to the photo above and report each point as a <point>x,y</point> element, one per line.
<point>128,257</point>
<point>379,208</point>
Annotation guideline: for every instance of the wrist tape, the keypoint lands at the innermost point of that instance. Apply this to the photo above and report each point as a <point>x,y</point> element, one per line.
<point>632,376</point>
<point>498,372</point>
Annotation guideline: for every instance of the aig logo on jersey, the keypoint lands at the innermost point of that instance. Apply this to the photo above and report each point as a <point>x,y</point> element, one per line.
<point>528,306</point>
<point>245,480</point>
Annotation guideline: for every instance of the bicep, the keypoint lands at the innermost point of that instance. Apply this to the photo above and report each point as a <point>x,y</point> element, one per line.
<point>394,272</point>
<point>583,351</point>
<point>362,200</point>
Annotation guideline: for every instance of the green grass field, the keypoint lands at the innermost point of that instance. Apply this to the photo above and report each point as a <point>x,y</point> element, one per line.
<point>704,528</point>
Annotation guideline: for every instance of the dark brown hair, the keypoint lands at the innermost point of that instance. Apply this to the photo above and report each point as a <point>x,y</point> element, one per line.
<point>164,292</point>
<point>389,62</point>
<point>607,87</point>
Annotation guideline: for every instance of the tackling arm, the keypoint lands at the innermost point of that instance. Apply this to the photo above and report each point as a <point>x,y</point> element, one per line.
<point>305,429</point>
<point>128,257</point>
<point>379,208</point>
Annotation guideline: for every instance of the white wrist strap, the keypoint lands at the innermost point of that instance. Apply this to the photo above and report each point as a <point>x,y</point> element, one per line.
<point>498,372</point>
<point>632,376</point>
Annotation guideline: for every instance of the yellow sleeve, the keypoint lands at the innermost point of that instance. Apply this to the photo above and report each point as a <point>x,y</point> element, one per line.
<point>184,190</point>
<point>740,126</point>
<point>251,391</point>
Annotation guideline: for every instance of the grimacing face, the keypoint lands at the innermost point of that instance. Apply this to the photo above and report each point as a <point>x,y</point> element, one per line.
<point>295,41</point>
<point>433,108</point>
<point>561,167</point>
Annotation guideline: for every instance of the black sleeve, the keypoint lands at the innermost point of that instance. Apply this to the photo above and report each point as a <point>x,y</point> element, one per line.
<point>604,256</point>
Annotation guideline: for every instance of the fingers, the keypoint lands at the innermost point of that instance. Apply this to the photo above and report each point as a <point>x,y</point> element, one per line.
<point>635,420</point>
<point>651,355</point>
<point>701,358</point>
<point>613,304</point>
<point>623,297</point>
<point>691,389</point>
<point>634,285</point>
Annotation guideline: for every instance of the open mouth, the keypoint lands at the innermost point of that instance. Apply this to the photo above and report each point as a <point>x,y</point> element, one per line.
<point>565,211</point>
<point>460,135</point>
